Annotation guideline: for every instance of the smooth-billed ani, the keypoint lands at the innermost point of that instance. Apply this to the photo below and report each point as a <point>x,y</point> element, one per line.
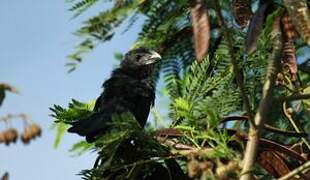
<point>129,89</point>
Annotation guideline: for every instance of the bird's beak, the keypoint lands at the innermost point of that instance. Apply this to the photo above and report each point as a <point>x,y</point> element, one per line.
<point>153,58</point>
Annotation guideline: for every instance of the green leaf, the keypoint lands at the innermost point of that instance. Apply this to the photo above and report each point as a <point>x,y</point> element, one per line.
<point>61,128</point>
<point>81,147</point>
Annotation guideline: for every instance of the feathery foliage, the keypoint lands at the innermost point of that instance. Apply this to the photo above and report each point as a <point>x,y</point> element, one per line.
<point>207,108</point>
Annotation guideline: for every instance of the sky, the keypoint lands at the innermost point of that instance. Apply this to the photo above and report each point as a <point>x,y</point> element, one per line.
<point>36,36</point>
<point>35,39</point>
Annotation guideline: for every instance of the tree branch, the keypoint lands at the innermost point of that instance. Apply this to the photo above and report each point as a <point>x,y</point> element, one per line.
<point>265,103</point>
<point>182,149</point>
<point>293,97</point>
<point>292,121</point>
<point>301,169</point>
<point>266,126</point>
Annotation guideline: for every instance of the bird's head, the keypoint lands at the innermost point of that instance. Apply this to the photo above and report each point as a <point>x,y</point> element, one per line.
<point>140,57</point>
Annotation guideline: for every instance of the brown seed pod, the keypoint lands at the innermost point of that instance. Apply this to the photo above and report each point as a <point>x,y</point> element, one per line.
<point>26,136</point>
<point>201,29</point>
<point>300,15</point>
<point>242,12</point>
<point>289,62</point>
<point>10,135</point>
<point>255,28</point>
<point>2,138</point>
<point>288,27</point>
<point>193,168</point>
<point>35,130</point>
<point>225,170</point>
<point>25,139</point>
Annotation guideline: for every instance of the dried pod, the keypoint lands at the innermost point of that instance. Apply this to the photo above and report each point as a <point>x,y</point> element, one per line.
<point>289,62</point>
<point>193,168</point>
<point>300,15</point>
<point>255,28</point>
<point>201,28</point>
<point>35,129</point>
<point>225,170</point>
<point>274,163</point>
<point>10,135</point>
<point>25,139</point>
<point>242,11</point>
<point>288,27</point>
<point>2,138</point>
<point>26,136</point>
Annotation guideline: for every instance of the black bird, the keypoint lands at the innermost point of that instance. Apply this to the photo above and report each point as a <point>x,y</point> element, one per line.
<point>129,89</point>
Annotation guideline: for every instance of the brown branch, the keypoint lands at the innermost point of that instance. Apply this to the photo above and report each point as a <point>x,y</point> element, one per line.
<point>292,121</point>
<point>234,118</point>
<point>293,97</point>
<point>285,132</point>
<point>166,137</point>
<point>236,69</point>
<point>264,105</point>
<point>301,169</point>
<point>269,144</point>
<point>266,126</point>
<point>182,149</point>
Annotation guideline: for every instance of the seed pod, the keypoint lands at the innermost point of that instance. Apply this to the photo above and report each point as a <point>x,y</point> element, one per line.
<point>10,135</point>
<point>193,168</point>
<point>26,136</point>
<point>242,11</point>
<point>274,163</point>
<point>288,27</point>
<point>289,62</point>
<point>2,138</point>
<point>35,130</point>
<point>201,29</point>
<point>255,28</point>
<point>300,15</point>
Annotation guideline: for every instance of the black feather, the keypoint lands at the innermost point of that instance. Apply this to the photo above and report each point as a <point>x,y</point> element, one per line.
<point>129,89</point>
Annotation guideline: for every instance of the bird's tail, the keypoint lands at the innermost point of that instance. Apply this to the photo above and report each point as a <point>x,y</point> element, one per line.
<point>89,127</point>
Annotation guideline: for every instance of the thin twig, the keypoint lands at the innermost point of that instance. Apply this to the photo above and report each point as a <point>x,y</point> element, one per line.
<point>21,116</point>
<point>293,97</point>
<point>264,105</point>
<point>186,149</point>
<point>237,71</point>
<point>146,161</point>
<point>291,120</point>
<point>183,149</point>
<point>266,126</point>
<point>269,144</point>
<point>284,132</point>
<point>301,169</point>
